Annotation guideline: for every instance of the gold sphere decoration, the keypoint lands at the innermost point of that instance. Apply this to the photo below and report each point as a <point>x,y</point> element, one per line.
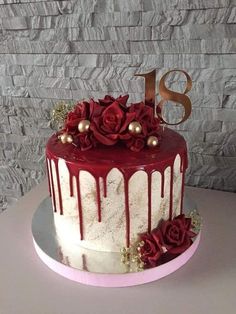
<point>152,141</point>
<point>69,139</point>
<point>135,127</point>
<point>66,138</point>
<point>83,126</point>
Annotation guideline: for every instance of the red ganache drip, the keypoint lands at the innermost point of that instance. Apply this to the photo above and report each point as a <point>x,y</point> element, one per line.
<point>171,191</point>
<point>101,160</point>
<point>80,207</point>
<point>98,199</point>
<point>58,186</point>
<point>127,213</point>
<point>105,187</point>
<point>71,186</point>
<point>149,202</point>
<point>52,184</point>
<point>162,184</point>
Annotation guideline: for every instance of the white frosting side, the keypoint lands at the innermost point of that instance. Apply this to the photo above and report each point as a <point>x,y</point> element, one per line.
<point>110,233</point>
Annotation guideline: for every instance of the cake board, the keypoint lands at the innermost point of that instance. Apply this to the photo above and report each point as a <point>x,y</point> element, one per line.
<point>93,267</point>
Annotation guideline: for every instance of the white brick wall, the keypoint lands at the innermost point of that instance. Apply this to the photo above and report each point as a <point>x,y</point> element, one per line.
<point>75,49</point>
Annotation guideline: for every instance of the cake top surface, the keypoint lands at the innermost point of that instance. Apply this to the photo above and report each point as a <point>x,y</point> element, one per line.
<point>119,156</point>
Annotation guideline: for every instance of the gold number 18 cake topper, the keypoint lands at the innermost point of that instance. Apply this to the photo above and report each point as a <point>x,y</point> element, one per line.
<point>167,94</point>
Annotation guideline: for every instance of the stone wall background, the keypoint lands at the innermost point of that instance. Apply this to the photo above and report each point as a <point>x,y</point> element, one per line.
<point>54,50</point>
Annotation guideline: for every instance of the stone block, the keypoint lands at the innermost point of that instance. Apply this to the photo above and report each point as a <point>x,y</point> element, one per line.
<point>14,23</point>
<point>158,5</point>
<point>229,150</point>
<point>12,69</point>
<point>6,108</point>
<point>116,19</point>
<point>16,125</point>
<point>191,137</point>
<point>229,126</point>
<point>230,88</point>
<point>88,33</point>
<point>173,113</point>
<point>124,5</point>
<point>175,17</point>
<point>3,70</point>
<point>232,16</point>
<point>126,60</point>
<point>15,91</point>
<point>25,59</point>
<point>107,72</point>
<point>162,32</point>
<point>140,33</point>
<point>19,80</point>
<point>224,138</point>
<point>48,82</point>
<point>204,31</point>
<point>111,46</point>
<point>218,161</point>
<point>216,46</point>
<point>205,16</point>
<point>208,74</point>
<point>42,92</point>
<point>200,126</point>
<point>208,101</point>
<point>30,9</point>
<point>4,125</point>
<point>226,115</point>
<point>229,102</point>
<point>63,34</point>
<point>118,32</point>
<point>60,21</point>
<point>200,87</point>
<point>112,85</point>
<point>152,18</point>
<point>222,61</point>
<point>210,182</point>
<point>174,46</point>
<point>142,61</point>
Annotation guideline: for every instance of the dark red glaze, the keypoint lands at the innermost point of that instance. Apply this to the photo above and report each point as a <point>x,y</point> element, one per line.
<point>149,202</point>
<point>53,188</point>
<point>58,186</point>
<point>98,199</point>
<point>80,208</point>
<point>99,161</point>
<point>171,191</point>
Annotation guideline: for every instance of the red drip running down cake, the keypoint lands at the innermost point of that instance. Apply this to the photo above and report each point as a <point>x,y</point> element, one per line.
<point>114,173</point>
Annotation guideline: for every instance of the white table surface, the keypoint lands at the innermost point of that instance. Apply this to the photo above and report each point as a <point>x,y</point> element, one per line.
<point>206,284</point>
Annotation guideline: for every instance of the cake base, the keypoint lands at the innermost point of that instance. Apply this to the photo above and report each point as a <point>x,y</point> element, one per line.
<point>91,267</point>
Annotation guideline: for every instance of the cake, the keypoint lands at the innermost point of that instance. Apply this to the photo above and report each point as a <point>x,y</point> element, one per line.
<point>116,179</point>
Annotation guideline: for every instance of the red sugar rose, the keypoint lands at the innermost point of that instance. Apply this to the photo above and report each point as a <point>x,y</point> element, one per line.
<point>80,112</point>
<point>152,250</point>
<point>175,235</point>
<point>108,100</point>
<point>112,124</point>
<point>144,114</point>
<point>109,123</point>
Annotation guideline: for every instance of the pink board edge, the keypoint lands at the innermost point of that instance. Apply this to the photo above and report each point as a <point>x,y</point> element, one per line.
<point>118,280</point>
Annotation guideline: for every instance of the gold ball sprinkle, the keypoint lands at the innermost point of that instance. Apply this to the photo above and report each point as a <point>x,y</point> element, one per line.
<point>135,127</point>
<point>83,126</point>
<point>69,139</point>
<point>66,138</point>
<point>152,141</point>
